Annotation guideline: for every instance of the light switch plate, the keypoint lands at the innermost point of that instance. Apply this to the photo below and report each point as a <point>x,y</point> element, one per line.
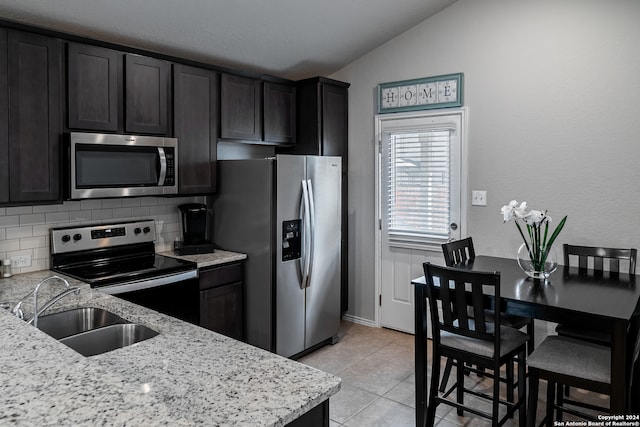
<point>478,198</point>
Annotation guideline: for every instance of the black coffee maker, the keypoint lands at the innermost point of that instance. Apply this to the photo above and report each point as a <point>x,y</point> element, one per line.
<point>194,230</point>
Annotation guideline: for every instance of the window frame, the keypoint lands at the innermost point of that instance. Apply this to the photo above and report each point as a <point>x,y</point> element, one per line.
<point>422,120</point>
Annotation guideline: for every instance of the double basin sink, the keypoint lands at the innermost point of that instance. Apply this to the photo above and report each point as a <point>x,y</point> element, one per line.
<point>91,331</point>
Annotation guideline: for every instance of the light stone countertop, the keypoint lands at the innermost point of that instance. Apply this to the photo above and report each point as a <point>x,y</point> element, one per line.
<point>186,375</point>
<point>218,257</point>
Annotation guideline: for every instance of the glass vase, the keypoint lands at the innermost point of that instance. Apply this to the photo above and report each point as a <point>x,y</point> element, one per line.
<point>524,261</point>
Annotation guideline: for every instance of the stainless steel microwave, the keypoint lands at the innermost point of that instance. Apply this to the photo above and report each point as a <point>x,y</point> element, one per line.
<point>109,165</point>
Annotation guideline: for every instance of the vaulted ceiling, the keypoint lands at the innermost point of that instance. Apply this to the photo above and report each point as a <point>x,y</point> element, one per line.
<point>287,38</point>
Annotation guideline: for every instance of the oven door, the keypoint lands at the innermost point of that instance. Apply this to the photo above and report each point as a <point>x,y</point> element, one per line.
<point>121,165</point>
<point>177,295</point>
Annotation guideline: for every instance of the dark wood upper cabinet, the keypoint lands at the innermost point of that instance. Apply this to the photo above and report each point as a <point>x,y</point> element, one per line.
<point>35,80</point>
<point>279,113</point>
<point>240,108</point>
<point>94,75</point>
<point>146,95</point>
<point>195,123</point>
<point>322,118</point>
<point>334,121</point>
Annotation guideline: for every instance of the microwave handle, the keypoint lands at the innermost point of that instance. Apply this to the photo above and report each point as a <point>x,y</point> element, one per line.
<point>163,166</point>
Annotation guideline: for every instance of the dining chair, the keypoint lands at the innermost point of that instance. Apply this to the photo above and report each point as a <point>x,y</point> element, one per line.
<point>460,252</point>
<point>593,260</point>
<point>578,363</point>
<point>462,332</point>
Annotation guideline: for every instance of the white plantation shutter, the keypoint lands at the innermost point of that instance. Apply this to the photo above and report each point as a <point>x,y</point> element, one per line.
<point>421,185</point>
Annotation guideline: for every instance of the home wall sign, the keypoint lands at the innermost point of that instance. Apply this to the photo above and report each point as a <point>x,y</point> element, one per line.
<point>421,94</point>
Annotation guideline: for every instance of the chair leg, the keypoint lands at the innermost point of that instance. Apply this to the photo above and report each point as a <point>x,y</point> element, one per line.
<point>445,375</point>
<point>560,398</point>
<point>551,396</point>
<point>433,391</point>
<point>510,381</point>
<point>532,409</point>
<point>460,386</point>
<point>522,390</point>
<point>495,413</point>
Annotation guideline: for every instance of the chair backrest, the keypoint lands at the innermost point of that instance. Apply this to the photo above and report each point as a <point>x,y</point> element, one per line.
<point>600,257</point>
<point>458,290</point>
<point>459,251</point>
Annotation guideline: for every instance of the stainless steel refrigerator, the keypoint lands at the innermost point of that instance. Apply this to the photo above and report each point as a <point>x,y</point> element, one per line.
<point>284,213</point>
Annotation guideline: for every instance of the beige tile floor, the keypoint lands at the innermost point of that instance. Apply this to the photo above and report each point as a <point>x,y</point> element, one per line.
<point>378,382</point>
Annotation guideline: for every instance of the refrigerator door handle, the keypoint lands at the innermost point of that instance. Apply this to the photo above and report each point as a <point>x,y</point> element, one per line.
<point>306,235</point>
<point>312,229</point>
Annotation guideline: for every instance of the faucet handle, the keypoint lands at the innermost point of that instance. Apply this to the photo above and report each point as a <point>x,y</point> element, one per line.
<point>17,310</point>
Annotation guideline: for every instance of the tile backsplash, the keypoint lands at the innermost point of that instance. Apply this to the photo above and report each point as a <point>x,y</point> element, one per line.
<point>24,230</point>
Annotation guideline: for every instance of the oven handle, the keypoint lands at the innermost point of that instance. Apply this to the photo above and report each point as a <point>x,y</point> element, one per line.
<point>148,283</point>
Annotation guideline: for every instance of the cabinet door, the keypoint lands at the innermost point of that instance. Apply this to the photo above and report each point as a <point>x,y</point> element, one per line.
<point>35,79</point>
<point>196,127</point>
<point>4,120</point>
<point>334,120</point>
<point>240,105</point>
<point>279,113</point>
<point>93,83</point>
<point>146,94</point>
<point>221,310</point>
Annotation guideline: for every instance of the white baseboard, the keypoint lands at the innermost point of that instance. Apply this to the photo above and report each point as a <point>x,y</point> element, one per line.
<point>359,320</point>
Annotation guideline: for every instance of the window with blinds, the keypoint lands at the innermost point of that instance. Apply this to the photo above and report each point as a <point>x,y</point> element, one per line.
<point>421,180</point>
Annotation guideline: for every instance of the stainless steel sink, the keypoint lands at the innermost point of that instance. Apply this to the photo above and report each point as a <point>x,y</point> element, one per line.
<point>108,338</point>
<point>72,322</point>
<point>91,331</point>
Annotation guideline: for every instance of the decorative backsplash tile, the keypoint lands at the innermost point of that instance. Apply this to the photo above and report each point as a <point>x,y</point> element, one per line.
<point>24,230</point>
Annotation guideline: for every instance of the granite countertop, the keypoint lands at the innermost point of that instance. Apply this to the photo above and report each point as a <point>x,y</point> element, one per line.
<point>218,257</point>
<point>186,375</point>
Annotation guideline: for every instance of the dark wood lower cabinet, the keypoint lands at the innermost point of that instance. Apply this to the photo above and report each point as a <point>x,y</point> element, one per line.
<point>221,300</point>
<point>317,417</point>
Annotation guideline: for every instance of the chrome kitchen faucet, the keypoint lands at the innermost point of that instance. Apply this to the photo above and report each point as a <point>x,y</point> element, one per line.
<point>17,310</point>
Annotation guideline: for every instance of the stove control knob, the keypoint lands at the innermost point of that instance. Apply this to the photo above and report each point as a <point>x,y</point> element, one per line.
<point>146,230</point>
<point>137,230</point>
<point>77,237</point>
<point>66,238</point>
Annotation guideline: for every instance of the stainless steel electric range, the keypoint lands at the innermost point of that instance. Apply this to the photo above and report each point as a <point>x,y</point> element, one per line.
<point>120,259</point>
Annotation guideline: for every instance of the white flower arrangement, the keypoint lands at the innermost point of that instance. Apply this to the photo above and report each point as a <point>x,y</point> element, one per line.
<point>537,241</point>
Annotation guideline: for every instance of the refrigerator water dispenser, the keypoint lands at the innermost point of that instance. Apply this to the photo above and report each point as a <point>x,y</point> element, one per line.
<point>291,240</point>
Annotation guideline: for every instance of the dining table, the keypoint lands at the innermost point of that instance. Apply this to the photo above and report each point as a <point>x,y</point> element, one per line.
<point>570,294</point>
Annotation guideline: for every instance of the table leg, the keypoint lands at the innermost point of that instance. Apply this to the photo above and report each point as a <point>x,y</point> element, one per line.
<point>619,386</point>
<point>421,361</point>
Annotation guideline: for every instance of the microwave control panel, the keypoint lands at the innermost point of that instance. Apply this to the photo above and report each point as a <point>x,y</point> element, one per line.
<point>170,178</point>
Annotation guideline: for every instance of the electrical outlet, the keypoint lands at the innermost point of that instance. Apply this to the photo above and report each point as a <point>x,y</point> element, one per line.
<point>478,198</point>
<point>21,261</point>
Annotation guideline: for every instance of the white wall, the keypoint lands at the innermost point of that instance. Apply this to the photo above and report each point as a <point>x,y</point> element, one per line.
<point>553,92</point>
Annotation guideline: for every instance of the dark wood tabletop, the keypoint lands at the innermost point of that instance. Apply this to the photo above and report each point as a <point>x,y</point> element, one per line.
<point>609,296</point>
<point>569,295</point>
